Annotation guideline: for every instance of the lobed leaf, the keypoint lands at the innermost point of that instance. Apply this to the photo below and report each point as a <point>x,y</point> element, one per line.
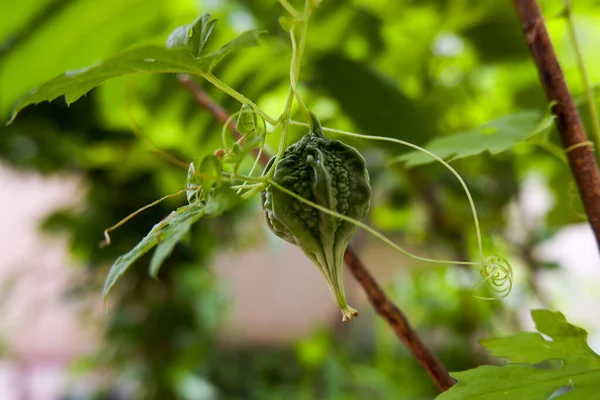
<point>170,231</point>
<point>494,137</point>
<point>167,233</point>
<point>145,59</point>
<point>523,378</point>
<point>195,36</point>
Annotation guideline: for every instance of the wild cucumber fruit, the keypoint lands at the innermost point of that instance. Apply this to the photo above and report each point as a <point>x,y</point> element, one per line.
<point>332,175</point>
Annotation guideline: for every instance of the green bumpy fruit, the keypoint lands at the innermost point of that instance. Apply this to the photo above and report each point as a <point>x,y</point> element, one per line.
<point>332,175</point>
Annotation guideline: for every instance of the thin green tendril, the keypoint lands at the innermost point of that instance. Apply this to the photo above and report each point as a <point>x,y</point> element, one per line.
<point>225,127</point>
<point>284,118</point>
<point>294,76</point>
<point>493,271</point>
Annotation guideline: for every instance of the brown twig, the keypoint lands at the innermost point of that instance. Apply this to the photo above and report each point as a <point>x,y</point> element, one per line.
<point>574,139</point>
<point>398,322</point>
<point>380,301</point>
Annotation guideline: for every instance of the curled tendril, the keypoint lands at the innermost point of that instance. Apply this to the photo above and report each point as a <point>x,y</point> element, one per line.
<point>496,271</point>
<point>497,275</point>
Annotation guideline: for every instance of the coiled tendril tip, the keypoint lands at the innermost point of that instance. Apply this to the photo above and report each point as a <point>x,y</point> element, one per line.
<point>497,275</point>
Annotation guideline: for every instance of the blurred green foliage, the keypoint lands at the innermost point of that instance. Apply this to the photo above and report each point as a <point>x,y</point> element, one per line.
<point>413,70</point>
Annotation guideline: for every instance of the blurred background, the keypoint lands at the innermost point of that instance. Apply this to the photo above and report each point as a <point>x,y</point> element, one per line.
<point>238,313</point>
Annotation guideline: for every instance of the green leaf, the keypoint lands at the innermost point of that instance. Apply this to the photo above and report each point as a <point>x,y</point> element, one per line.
<point>210,171</point>
<point>202,30</point>
<point>176,224</point>
<point>66,35</point>
<point>494,137</point>
<point>249,123</point>
<point>223,198</point>
<point>180,38</point>
<point>194,36</point>
<point>137,60</point>
<point>579,366</point>
<point>167,233</point>
<point>171,231</point>
<point>286,23</point>
<point>191,183</point>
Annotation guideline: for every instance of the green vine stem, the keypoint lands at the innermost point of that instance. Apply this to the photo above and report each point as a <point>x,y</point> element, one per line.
<point>251,193</point>
<point>297,51</point>
<point>238,96</point>
<point>294,77</point>
<point>249,186</point>
<point>582,71</point>
<point>551,148</point>
<point>285,116</point>
<point>289,8</point>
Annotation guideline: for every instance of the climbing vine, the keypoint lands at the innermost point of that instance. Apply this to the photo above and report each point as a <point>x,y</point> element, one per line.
<point>315,192</point>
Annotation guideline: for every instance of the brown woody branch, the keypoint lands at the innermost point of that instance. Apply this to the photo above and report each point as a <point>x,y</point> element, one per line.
<point>574,140</point>
<point>398,322</point>
<point>380,301</point>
